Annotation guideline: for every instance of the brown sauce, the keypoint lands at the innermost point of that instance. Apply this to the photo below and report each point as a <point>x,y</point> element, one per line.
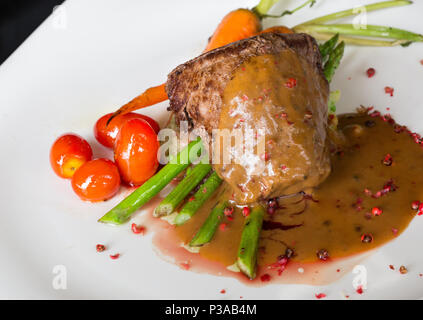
<point>334,217</point>
<point>284,100</point>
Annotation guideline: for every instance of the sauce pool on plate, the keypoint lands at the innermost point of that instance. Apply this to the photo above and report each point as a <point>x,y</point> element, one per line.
<point>365,202</point>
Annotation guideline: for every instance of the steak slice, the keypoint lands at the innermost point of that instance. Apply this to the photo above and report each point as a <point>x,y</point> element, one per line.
<point>272,86</point>
<point>195,88</point>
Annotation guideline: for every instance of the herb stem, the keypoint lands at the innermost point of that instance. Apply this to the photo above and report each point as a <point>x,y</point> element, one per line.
<point>357,11</point>
<point>366,31</point>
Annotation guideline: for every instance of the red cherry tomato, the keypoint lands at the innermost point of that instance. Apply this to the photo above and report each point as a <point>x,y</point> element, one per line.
<point>68,153</point>
<point>136,152</point>
<point>96,180</point>
<point>106,135</point>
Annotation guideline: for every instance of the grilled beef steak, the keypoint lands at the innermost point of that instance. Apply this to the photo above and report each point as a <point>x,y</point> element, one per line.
<point>273,84</point>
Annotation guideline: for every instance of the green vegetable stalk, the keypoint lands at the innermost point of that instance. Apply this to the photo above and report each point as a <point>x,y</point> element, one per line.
<point>209,227</point>
<point>175,197</point>
<point>333,61</point>
<point>265,5</point>
<point>200,197</point>
<point>360,34</point>
<point>248,247</point>
<point>327,47</point>
<point>354,11</point>
<point>365,31</point>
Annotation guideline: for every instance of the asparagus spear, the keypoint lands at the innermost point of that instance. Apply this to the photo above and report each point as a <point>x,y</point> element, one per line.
<point>121,213</point>
<point>208,229</point>
<point>334,60</point>
<point>247,252</point>
<point>327,47</point>
<point>178,194</point>
<point>201,196</point>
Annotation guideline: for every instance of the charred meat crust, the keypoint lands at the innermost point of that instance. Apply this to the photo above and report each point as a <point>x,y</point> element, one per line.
<point>195,88</point>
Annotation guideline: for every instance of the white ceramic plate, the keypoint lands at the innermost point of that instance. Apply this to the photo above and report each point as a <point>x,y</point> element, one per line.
<point>91,57</point>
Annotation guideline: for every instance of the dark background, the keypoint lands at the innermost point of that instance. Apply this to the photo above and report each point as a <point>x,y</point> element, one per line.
<point>18,19</point>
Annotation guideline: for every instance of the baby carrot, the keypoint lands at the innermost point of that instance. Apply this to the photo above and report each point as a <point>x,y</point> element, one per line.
<point>149,97</point>
<point>277,29</point>
<point>236,25</point>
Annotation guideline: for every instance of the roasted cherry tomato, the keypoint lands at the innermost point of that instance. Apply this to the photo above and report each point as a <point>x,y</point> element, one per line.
<point>96,180</point>
<point>106,135</point>
<point>68,153</point>
<point>136,152</point>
